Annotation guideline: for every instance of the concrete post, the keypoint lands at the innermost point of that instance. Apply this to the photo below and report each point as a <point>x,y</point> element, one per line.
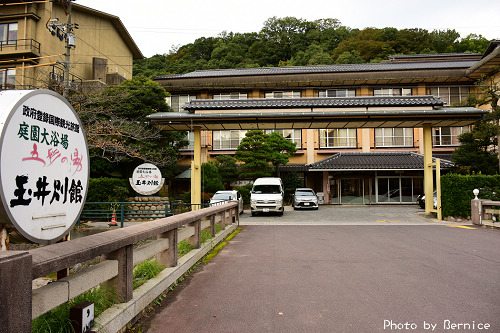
<point>212,225</point>
<point>169,257</point>
<point>475,211</point>
<point>15,292</point>
<point>223,220</point>
<point>195,240</point>
<point>123,282</point>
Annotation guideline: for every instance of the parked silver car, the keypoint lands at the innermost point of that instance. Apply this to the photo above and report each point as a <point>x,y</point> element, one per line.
<point>221,197</point>
<point>305,198</point>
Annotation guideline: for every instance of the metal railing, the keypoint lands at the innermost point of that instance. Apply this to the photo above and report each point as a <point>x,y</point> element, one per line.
<point>123,211</point>
<point>23,44</point>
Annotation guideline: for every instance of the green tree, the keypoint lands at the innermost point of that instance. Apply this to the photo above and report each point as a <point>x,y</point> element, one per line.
<point>118,135</point>
<point>477,150</point>
<point>227,168</point>
<point>350,58</point>
<point>211,181</point>
<point>262,154</point>
<point>280,150</point>
<point>254,155</point>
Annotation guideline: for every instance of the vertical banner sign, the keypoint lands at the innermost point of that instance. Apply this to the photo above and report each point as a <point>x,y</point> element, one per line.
<point>44,165</point>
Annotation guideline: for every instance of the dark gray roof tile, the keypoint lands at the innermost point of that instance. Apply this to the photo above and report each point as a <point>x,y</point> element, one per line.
<point>375,161</point>
<point>395,66</point>
<point>333,102</point>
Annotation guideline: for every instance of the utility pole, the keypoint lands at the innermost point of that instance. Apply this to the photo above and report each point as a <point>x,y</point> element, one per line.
<point>70,43</point>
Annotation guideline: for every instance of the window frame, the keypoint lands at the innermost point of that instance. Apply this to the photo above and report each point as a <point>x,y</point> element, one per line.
<point>296,135</point>
<point>439,139</point>
<point>391,137</point>
<point>335,93</point>
<point>275,94</point>
<point>6,38</point>
<point>177,107</point>
<point>7,78</point>
<point>445,94</point>
<point>393,91</point>
<point>325,139</point>
<point>217,142</point>
<point>231,95</point>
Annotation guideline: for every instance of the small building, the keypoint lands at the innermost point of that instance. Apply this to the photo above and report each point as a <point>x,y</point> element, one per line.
<point>33,47</point>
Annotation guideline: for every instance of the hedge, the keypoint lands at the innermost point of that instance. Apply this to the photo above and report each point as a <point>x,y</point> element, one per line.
<point>456,192</point>
<point>109,190</point>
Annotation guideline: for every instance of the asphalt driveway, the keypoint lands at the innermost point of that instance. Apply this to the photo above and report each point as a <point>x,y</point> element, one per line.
<point>407,274</point>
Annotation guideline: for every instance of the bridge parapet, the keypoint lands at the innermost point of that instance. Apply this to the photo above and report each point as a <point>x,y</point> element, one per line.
<point>118,253</point>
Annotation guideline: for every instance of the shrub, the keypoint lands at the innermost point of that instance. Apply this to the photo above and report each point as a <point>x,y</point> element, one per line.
<point>245,192</point>
<point>456,192</point>
<point>109,190</point>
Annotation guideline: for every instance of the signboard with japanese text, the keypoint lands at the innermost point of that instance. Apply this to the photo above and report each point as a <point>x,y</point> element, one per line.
<point>44,164</point>
<point>146,179</point>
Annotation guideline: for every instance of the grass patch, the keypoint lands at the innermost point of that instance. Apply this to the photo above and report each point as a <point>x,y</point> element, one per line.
<point>146,270</point>
<point>57,320</point>
<point>183,248</point>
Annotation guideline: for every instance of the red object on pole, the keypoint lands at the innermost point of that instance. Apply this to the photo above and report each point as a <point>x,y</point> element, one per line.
<point>113,221</point>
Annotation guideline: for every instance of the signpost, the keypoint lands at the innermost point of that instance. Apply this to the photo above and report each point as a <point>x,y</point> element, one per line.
<point>146,179</point>
<point>44,165</point>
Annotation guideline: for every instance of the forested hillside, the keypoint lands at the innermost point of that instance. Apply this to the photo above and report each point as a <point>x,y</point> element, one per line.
<point>291,41</point>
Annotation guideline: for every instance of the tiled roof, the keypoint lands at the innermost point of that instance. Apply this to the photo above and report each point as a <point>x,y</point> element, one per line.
<point>375,161</point>
<point>332,102</point>
<point>395,66</point>
<point>435,55</point>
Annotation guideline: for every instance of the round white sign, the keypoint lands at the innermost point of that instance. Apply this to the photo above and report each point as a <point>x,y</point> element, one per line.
<point>146,179</point>
<point>44,164</point>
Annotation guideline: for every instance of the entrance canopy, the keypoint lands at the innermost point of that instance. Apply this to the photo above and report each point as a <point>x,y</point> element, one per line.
<point>303,113</point>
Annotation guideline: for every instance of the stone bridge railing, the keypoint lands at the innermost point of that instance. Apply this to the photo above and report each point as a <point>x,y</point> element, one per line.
<point>19,303</point>
<point>485,212</point>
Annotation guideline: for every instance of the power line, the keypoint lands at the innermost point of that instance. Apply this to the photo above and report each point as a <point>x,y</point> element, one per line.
<point>32,66</point>
<point>29,59</point>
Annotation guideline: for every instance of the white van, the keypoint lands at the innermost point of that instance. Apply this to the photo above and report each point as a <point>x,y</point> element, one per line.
<point>267,196</point>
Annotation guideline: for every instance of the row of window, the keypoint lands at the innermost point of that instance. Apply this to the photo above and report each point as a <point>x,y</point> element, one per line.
<point>449,95</point>
<point>341,137</point>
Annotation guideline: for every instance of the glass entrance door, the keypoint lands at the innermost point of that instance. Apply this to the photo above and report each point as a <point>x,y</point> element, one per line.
<point>351,191</point>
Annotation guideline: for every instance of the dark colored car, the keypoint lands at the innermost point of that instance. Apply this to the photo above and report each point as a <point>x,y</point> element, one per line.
<point>421,200</point>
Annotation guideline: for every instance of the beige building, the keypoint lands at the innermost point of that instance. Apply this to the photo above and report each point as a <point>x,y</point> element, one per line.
<point>33,47</point>
<point>360,129</point>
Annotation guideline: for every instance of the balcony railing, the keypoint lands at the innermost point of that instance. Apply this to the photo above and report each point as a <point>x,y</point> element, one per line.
<point>20,45</point>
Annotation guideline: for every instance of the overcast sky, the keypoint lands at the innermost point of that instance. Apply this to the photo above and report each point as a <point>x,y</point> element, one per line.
<point>157,25</point>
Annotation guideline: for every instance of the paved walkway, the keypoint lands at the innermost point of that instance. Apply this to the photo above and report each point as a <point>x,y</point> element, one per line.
<point>357,274</point>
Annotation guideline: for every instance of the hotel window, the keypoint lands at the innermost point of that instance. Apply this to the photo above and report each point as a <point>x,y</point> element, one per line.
<point>294,135</point>
<point>337,138</point>
<point>450,95</point>
<point>8,33</point>
<point>7,78</point>
<point>177,101</point>
<point>227,139</point>
<point>447,136</point>
<point>338,93</point>
<point>394,137</point>
<point>236,95</point>
<point>392,92</point>
<point>189,137</point>
<point>283,94</point>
